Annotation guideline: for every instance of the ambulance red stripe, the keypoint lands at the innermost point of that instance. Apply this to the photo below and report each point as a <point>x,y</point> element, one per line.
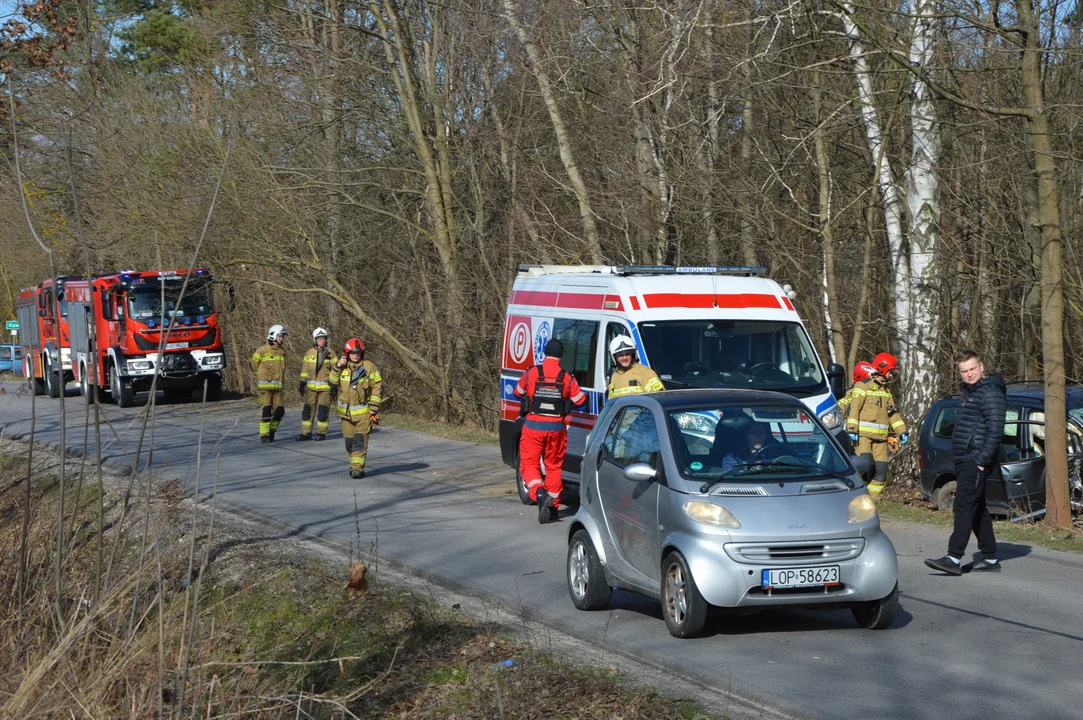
<point>708,300</point>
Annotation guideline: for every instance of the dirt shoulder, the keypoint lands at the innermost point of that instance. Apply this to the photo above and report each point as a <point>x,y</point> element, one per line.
<point>203,611</point>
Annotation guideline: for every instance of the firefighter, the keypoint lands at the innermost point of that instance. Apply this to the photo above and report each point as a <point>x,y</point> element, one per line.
<point>315,387</point>
<point>269,365</point>
<point>873,420</point>
<point>862,371</point>
<point>548,393</point>
<point>630,377</point>
<point>359,383</point>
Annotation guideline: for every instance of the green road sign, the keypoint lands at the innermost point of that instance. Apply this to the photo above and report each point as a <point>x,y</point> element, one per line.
<point>12,324</point>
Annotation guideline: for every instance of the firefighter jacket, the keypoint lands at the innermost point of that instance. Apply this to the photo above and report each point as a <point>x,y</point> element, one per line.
<point>872,412</point>
<point>316,368</point>
<point>637,378</point>
<point>844,403</point>
<point>269,365</point>
<point>359,387</point>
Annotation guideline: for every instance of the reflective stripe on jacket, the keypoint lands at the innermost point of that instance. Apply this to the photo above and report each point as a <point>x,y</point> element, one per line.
<point>872,413</point>
<point>638,378</point>
<point>318,378</point>
<point>269,365</point>
<point>359,388</point>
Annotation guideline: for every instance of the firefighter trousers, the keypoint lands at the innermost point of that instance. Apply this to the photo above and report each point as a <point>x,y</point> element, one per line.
<point>270,411</point>
<point>877,451</point>
<point>548,447</point>
<point>355,434</point>
<point>318,406</point>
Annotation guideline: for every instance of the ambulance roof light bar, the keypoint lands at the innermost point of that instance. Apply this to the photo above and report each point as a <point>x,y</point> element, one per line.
<point>539,270</point>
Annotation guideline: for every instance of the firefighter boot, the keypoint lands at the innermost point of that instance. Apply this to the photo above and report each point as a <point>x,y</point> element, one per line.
<point>357,474</point>
<point>321,437</point>
<point>304,436</point>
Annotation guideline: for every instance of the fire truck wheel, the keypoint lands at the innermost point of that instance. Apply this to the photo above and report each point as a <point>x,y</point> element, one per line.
<point>121,389</point>
<point>52,380</point>
<point>177,395</point>
<point>36,385</point>
<point>214,390</point>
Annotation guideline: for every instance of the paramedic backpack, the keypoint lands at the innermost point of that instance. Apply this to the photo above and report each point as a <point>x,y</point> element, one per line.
<point>548,398</point>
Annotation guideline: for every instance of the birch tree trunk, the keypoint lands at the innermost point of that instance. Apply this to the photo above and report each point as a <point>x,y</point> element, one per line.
<point>564,145</point>
<point>889,190</point>
<point>1058,511</point>
<point>923,199</point>
<point>832,309</point>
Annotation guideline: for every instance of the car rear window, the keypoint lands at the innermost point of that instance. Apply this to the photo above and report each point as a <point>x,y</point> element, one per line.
<point>945,422</point>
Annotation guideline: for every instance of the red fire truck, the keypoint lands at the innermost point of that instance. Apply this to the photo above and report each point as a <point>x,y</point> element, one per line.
<point>44,335</point>
<point>137,324</point>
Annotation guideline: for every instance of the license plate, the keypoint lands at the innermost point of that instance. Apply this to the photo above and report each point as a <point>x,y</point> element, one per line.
<point>818,576</point>
<point>176,346</point>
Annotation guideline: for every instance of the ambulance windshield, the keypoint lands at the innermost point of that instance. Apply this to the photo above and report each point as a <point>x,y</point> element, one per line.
<point>750,354</point>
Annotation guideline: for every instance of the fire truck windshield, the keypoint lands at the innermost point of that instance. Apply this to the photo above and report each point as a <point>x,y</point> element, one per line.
<point>145,303</point>
<point>751,354</point>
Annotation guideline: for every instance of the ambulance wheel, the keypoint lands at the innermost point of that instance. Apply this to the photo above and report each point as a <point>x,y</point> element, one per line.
<point>121,389</point>
<point>524,494</point>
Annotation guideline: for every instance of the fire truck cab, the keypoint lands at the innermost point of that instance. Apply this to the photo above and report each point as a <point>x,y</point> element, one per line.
<point>135,325</point>
<point>42,312</point>
<point>703,327</point>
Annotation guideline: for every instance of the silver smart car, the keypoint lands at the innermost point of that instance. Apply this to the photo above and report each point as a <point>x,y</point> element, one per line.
<point>765,512</point>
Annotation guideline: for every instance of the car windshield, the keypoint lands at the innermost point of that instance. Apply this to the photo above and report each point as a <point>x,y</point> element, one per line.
<point>146,303</point>
<point>751,443</point>
<point>751,354</point>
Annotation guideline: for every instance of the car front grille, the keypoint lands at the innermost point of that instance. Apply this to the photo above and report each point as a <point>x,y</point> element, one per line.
<point>795,553</point>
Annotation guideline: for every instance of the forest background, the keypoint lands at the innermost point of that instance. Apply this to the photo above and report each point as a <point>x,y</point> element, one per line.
<point>914,169</point>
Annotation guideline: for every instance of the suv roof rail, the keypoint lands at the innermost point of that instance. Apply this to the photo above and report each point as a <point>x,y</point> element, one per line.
<point>740,270</point>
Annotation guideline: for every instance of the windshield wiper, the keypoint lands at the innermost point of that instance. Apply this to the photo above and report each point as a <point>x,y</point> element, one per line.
<point>810,466</point>
<point>678,382</point>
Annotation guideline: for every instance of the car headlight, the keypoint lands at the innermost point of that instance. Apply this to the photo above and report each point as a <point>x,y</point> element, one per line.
<point>862,509</point>
<point>831,418</point>
<point>709,513</point>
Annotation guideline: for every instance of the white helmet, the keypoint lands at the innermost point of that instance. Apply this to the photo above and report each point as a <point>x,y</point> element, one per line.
<point>276,332</point>
<point>621,344</point>
<point>318,333</point>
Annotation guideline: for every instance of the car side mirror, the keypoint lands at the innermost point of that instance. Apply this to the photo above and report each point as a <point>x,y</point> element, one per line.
<point>640,472</point>
<point>863,465</point>
<point>836,379</point>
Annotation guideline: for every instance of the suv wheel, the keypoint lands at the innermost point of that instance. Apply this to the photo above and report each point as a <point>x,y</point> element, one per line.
<point>944,496</point>
<point>586,577</point>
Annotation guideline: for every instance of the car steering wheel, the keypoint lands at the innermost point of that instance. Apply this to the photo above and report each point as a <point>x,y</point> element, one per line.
<point>752,370</point>
<point>758,456</point>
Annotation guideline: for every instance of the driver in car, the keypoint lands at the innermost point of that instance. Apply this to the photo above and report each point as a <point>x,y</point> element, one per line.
<point>755,437</point>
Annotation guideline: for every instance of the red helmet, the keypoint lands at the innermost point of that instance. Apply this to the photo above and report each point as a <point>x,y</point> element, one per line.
<point>863,371</point>
<point>885,363</point>
<point>355,345</point>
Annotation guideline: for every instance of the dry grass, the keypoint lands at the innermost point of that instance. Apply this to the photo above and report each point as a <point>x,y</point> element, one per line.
<point>273,634</point>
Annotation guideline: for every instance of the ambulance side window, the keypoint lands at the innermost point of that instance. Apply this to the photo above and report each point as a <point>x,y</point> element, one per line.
<point>612,330</point>
<point>580,338</point>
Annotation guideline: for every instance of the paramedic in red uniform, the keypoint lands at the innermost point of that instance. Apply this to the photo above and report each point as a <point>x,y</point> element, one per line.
<point>548,392</point>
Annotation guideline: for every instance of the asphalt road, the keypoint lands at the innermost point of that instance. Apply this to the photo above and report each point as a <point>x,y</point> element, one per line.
<point>976,646</point>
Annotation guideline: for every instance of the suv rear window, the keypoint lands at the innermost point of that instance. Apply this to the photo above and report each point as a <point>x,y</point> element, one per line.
<point>945,422</point>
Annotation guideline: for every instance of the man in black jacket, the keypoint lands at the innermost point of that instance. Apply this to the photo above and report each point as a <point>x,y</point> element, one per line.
<point>975,445</point>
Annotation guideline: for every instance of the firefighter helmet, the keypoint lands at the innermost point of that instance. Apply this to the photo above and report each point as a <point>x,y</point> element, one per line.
<point>863,371</point>
<point>621,344</point>
<point>354,345</point>
<point>275,332</point>
<point>885,363</point>
<point>318,333</point>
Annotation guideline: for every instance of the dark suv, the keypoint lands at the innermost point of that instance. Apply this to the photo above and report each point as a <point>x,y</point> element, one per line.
<point>1020,492</point>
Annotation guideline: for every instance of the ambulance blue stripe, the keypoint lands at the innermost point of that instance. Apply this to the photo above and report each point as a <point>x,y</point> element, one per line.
<point>826,404</point>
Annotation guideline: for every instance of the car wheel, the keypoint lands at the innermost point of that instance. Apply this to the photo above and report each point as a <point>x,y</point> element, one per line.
<point>524,494</point>
<point>944,496</point>
<point>878,614</point>
<point>684,608</point>
<point>586,577</point>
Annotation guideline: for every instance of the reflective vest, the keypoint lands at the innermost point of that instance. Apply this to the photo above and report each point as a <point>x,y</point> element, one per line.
<point>316,370</point>
<point>359,387</point>
<point>559,394</point>
<point>872,412</point>
<point>638,378</point>
<point>269,365</point>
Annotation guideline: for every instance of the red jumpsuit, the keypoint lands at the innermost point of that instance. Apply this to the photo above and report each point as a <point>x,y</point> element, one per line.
<point>545,436</point>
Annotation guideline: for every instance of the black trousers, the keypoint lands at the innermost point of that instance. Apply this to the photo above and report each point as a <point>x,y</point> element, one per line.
<point>971,513</point>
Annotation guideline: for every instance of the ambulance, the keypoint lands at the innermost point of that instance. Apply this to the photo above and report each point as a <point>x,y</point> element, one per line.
<point>697,327</point>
